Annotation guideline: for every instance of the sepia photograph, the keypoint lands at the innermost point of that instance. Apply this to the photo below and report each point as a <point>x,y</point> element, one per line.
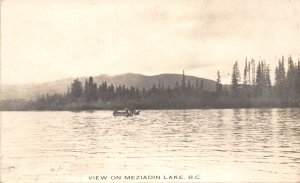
<point>149,91</point>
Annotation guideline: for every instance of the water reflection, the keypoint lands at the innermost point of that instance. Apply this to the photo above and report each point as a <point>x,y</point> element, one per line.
<point>235,144</point>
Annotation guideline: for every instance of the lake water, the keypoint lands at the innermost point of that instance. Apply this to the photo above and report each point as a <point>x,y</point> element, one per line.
<point>223,145</point>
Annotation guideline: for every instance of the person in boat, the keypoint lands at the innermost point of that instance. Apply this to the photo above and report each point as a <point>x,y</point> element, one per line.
<point>132,110</point>
<point>127,111</point>
<point>115,111</point>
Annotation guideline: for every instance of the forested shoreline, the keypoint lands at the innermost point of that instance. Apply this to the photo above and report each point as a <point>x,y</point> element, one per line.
<point>250,88</point>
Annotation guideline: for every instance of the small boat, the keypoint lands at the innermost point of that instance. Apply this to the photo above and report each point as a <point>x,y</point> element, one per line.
<point>125,113</point>
<point>121,113</point>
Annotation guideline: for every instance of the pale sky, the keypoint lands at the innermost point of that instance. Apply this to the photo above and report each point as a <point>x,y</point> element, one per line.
<point>46,40</point>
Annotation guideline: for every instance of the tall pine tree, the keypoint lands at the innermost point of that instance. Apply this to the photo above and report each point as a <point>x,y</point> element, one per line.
<point>235,78</point>
<point>218,84</point>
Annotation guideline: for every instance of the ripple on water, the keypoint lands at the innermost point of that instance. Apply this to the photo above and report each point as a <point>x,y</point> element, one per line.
<point>257,143</point>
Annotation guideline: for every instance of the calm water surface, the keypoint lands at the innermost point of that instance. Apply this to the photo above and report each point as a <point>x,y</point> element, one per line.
<point>218,145</point>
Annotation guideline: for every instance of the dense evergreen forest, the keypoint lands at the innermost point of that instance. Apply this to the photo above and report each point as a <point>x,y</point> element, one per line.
<point>251,88</point>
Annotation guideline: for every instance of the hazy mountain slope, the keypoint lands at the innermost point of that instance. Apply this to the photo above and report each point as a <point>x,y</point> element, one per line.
<point>60,86</point>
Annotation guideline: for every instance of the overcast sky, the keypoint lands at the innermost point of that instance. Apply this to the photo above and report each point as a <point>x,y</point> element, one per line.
<point>53,39</point>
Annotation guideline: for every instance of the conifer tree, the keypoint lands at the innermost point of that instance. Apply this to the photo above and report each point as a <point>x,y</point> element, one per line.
<point>280,81</point>
<point>218,84</point>
<point>183,82</point>
<point>235,78</point>
<point>76,89</point>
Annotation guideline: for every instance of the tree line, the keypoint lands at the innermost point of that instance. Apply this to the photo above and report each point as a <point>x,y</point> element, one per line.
<point>255,89</point>
<point>252,89</point>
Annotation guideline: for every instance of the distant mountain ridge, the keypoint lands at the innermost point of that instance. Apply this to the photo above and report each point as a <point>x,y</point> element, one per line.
<point>30,91</point>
